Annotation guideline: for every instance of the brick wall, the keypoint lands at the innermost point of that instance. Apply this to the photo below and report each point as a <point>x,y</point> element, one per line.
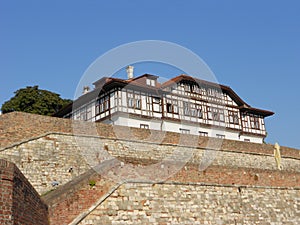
<point>76,197</point>
<point>19,202</point>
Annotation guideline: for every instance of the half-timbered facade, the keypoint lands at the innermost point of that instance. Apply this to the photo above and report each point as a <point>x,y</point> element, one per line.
<point>183,104</point>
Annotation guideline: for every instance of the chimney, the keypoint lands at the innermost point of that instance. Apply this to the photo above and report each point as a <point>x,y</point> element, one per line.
<point>129,71</point>
<point>86,89</point>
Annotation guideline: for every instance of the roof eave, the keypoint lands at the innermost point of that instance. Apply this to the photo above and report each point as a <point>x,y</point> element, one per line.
<point>261,112</point>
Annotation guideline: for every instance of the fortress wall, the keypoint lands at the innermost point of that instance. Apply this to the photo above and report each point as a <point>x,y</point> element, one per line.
<point>17,127</point>
<point>227,195</point>
<point>47,161</point>
<point>241,185</point>
<point>61,157</point>
<point>141,203</point>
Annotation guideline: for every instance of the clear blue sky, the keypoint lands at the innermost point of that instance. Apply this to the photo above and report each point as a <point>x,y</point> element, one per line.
<point>251,46</point>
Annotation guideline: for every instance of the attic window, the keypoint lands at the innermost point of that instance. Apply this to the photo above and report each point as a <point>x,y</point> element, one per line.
<point>150,82</point>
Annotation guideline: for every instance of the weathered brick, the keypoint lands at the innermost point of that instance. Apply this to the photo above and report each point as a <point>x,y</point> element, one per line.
<point>19,202</point>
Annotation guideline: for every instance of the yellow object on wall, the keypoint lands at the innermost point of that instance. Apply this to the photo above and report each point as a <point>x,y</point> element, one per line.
<point>277,155</point>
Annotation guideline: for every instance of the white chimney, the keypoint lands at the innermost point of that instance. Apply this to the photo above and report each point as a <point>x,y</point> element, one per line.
<point>129,71</point>
<point>86,89</point>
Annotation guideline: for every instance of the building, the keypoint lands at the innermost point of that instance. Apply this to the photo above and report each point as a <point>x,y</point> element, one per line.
<point>182,104</point>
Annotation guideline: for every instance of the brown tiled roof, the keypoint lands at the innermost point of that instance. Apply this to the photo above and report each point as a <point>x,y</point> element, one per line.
<point>106,83</point>
<point>146,75</point>
<point>226,89</point>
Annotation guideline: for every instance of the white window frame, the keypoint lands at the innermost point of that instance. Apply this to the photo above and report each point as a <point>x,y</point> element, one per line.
<point>144,126</point>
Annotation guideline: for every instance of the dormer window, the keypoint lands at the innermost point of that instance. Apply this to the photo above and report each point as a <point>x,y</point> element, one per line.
<point>150,82</point>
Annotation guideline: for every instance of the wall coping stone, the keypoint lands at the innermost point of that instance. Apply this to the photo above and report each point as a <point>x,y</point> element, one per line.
<point>143,141</point>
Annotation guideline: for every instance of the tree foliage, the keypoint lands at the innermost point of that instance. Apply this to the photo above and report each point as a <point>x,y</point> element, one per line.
<point>34,100</point>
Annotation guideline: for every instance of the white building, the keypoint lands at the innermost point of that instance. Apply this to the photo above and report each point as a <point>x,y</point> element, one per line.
<point>183,104</point>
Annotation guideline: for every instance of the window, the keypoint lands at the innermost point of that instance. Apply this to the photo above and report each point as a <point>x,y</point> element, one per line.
<point>209,113</point>
<point>221,115</point>
<point>156,104</point>
<point>175,109</point>
<point>247,140</point>
<point>190,109</point>
<point>89,114</point>
<point>236,118</point>
<point>199,111</point>
<point>186,108</point>
<point>245,120</point>
<point>133,100</point>
<point>83,114</point>
<point>233,117</point>
<point>150,82</point>
<point>196,89</point>
<point>130,100</point>
<point>193,112</point>
<point>220,136</point>
<point>169,108</point>
<point>144,126</point>
<point>203,134</point>
<point>102,104</point>
<point>187,87</point>
<point>138,103</point>
<point>214,93</point>
<point>215,114</point>
<point>172,106</point>
<point>184,131</point>
<point>210,92</point>
<point>254,121</point>
<point>76,114</point>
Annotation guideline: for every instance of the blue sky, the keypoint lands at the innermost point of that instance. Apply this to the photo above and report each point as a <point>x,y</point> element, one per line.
<point>251,46</point>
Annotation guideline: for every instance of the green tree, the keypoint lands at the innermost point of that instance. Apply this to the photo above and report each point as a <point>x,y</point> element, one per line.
<point>34,100</point>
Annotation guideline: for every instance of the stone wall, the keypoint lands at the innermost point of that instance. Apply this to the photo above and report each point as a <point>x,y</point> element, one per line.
<point>236,183</point>
<point>47,161</point>
<point>141,203</point>
<point>19,202</point>
<point>59,158</point>
<point>66,202</point>
<point>19,127</point>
